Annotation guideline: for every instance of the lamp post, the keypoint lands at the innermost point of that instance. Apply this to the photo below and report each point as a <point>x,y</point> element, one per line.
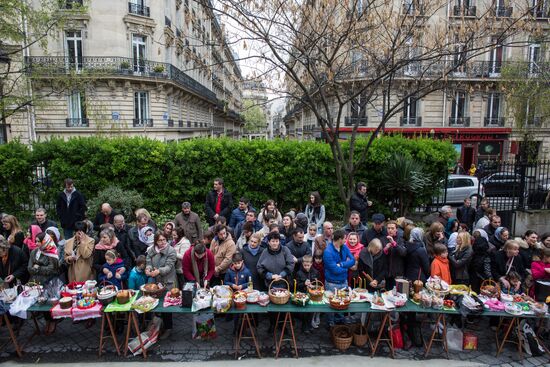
<point>4,59</point>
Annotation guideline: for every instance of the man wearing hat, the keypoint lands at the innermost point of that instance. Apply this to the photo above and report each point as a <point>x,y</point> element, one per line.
<point>190,222</point>
<point>376,231</point>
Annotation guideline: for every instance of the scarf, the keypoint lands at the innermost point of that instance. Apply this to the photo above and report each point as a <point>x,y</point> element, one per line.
<point>417,235</point>
<point>449,227</point>
<point>158,250</point>
<point>274,252</point>
<point>111,245</point>
<point>196,267</point>
<point>498,232</point>
<point>31,242</point>
<point>254,251</point>
<point>48,248</point>
<point>482,234</point>
<point>55,232</point>
<point>142,237</point>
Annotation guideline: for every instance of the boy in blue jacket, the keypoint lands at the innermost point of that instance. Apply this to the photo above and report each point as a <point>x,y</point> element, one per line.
<point>237,275</point>
<point>337,259</point>
<point>137,275</point>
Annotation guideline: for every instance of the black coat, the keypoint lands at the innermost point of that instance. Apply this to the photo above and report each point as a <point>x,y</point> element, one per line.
<point>396,259</point>
<point>299,251</point>
<point>74,212</point>
<point>210,205</point>
<point>499,267</point>
<point>251,262</point>
<point>122,235</point>
<point>301,277</point>
<point>466,215</point>
<point>16,265</point>
<point>375,267</point>
<point>417,262</point>
<point>371,234</point>
<point>47,223</point>
<point>100,219</point>
<point>359,203</point>
<point>137,247</point>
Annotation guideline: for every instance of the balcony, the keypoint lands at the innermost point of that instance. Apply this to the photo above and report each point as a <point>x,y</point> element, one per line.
<point>459,121</point>
<point>138,9</point>
<point>503,11</point>
<point>413,8</point>
<point>70,4</point>
<point>464,11</point>
<point>493,122</point>
<point>541,11</point>
<point>143,122</point>
<point>92,66</point>
<point>534,121</point>
<point>355,121</point>
<point>77,122</point>
<point>170,123</point>
<point>410,121</point>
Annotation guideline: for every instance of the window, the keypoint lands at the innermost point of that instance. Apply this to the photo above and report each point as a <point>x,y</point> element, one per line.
<point>77,109</point>
<point>138,52</point>
<point>358,111</point>
<point>411,7</point>
<point>540,8</point>
<point>73,42</point>
<point>534,57</point>
<point>459,56</point>
<point>360,6</point>
<point>410,111</point>
<point>495,59</point>
<point>141,108</point>
<point>138,7</point>
<point>463,182</point>
<point>493,114</point>
<point>411,55</point>
<point>459,110</point>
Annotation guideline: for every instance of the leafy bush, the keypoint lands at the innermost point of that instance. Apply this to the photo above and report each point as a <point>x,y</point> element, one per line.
<point>122,201</point>
<point>16,183</point>
<point>166,174</point>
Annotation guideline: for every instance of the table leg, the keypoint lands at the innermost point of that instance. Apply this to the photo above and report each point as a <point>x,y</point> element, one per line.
<point>102,337</point>
<point>440,319</point>
<point>518,331</point>
<point>245,321</point>
<point>113,333</point>
<point>275,331</point>
<point>287,319</point>
<point>12,336</point>
<point>382,326</point>
<point>506,334</point>
<point>136,328</point>
<point>367,327</point>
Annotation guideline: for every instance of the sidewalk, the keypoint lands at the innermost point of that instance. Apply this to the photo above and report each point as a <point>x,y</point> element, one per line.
<point>73,343</point>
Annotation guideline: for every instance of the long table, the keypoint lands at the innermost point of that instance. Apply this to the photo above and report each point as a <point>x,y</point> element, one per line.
<point>288,309</point>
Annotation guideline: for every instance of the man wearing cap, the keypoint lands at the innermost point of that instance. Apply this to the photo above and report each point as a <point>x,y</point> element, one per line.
<point>376,231</point>
<point>190,222</point>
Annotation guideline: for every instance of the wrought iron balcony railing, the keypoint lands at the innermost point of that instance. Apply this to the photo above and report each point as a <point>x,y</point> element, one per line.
<point>352,121</point>
<point>139,9</point>
<point>494,121</point>
<point>100,66</point>
<point>77,122</point>
<point>411,121</point>
<point>143,122</point>
<point>459,121</point>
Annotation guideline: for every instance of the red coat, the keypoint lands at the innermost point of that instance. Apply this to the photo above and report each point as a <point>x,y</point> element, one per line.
<point>187,266</point>
<point>321,269</point>
<point>538,272</point>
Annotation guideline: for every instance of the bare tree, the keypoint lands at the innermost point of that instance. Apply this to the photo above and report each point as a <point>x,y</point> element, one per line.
<point>329,54</point>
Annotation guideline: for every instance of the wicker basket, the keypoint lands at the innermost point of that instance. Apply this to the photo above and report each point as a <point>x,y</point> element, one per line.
<point>279,299</point>
<point>316,291</point>
<point>158,293</point>
<point>490,288</point>
<point>107,294</point>
<point>360,335</point>
<point>339,306</point>
<point>342,337</point>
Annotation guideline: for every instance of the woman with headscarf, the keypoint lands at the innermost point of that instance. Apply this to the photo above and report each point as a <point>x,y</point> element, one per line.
<point>451,227</point>
<point>417,260</point>
<point>60,244</point>
<point>30,239</point>
<point>44,260</point>
<point>502,234</point>
<point>147,236</point>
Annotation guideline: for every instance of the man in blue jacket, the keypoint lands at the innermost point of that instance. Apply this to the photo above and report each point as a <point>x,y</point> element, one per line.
<point>337,259</point>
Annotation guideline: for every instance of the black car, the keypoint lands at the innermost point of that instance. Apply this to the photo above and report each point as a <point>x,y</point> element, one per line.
<point>506,184</point>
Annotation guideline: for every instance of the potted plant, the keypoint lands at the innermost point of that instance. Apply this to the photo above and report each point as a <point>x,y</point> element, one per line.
<point>124,67</point>
<point>158,70</point>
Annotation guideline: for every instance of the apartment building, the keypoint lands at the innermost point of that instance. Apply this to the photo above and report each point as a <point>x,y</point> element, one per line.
<point>160,69</point>
<point>471,109</point>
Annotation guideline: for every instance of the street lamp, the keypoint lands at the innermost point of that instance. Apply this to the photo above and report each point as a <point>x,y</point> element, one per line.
<point>4,60</point>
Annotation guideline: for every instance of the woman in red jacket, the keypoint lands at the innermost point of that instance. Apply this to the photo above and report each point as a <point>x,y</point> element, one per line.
<point>198,265</point>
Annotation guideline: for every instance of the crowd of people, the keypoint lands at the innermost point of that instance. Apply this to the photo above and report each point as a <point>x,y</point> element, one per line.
<point>265,247</point>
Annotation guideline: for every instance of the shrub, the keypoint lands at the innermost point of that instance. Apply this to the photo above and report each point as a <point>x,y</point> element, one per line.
<point>122,201</point>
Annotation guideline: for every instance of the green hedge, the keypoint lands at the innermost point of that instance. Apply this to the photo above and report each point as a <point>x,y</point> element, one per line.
<point>166,174</point>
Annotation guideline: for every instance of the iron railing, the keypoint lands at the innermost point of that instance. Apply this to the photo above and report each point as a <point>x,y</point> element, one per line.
<point>352,121</point>
<point>139,9</point>
<point>494,121</point>
<point>466,11</point>
<point>459,121</point>
<point>116,66</point>
<point>503,11</point>
<point>77,122</point>
<point>411,121</point>
<point>143,122</point>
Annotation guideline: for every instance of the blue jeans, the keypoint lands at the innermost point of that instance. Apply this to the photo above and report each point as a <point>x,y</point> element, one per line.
<point>335,318</point>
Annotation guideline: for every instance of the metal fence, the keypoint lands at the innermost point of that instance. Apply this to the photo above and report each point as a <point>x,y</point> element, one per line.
<point>510,186</point>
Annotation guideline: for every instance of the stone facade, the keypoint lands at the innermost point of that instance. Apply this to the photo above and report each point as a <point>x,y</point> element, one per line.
<point>160,69</point>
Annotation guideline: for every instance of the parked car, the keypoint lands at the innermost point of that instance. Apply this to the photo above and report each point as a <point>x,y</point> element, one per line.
<point>506,184</point>
<point>460,187</point>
